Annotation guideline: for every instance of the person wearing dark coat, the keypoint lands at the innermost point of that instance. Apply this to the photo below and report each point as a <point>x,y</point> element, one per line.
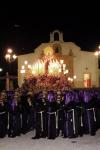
<point>51,116</point>
<point>70,116</point>
<point>89,117</point>
<point>24,111</point>
<point>60,113</point>
<point>40,116</point>
<point>97,105</point>
<point>29,112</point>
<point>3,118</point>
<point>80,111</point>
<point>14,109</point>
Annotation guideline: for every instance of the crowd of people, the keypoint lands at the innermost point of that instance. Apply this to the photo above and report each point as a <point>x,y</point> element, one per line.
<point>50,113</point>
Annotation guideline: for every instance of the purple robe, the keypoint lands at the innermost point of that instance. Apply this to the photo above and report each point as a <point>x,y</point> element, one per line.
<point>87,96</point>
<point>51,96</point>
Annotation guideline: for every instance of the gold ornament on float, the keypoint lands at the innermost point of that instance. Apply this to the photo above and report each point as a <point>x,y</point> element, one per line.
<point>48,51</point>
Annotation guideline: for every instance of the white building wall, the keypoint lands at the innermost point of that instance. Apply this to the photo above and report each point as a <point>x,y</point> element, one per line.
<point>81,62</point>
<point>67,46</point>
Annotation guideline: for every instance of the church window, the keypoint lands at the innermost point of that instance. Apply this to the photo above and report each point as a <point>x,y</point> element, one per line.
<point>56,37</point>
<point>57,48</point>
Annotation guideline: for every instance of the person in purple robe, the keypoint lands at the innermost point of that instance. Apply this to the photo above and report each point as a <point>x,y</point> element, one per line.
<point>51,115</point>
<point>70,117</point>
<point>89,116</point>
<point>97,107</point>
<point>14,118</point>
<point>40,116</point>
<point>60,112</point>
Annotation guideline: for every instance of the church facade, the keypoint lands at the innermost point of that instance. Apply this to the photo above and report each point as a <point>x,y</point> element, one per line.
<point>82,65</point>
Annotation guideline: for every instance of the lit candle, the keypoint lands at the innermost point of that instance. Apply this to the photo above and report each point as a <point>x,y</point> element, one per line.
<point>29,66</point>
<point>23,67</point>
<point>74,77</point>
<point>61,61</point>
<point>59,70</point>
<point>64,65</point>
<point>22,71</point>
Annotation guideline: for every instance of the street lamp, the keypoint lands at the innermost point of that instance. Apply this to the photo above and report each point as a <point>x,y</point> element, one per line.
<point>1,69</point>
<point>10,56</point>
<point>97,53</point>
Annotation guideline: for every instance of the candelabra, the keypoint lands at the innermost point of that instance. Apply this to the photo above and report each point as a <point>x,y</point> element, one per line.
<point>10,57</point>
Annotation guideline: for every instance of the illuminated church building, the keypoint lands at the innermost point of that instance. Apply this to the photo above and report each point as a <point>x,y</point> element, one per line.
<point>56,57</point>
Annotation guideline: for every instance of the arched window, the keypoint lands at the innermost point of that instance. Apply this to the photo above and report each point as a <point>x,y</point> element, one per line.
<point>56,36</point>
<point>57,48</point>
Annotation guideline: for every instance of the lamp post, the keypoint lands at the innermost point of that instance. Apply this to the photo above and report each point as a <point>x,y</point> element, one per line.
<point>10,57</point>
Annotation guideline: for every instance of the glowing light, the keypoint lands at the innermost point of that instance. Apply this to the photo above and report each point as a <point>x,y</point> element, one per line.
<point>9,50</point>
<point>14,56</point>
<point>66,71</point>
<point>64,66</point>
<point>59,70</point>
<point>25,62</point>
<point>48,51</point>
<point>69,78</point>
<point>33,72</point>
<point>23,67</point>
<point>61,61</point>
<point>51,71</point>
<point>74,76</point>
<point>10,57</point>
<point>96,53</point>
<point>22,71</point>
<point>1,69</point>
<point>7,56</point>
<point>29,66</point>
<point>55,68</point>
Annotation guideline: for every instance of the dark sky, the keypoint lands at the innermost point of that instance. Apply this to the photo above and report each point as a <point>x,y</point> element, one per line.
<point>24,32</point>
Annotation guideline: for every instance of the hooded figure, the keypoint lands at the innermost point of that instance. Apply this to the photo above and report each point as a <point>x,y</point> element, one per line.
<point>89,117</point>
<point>97,106</point>
<point>60,112</point>
<point>40,116</point>
<point>14,109</point>
<point>51,113</point>
<point>70,115</point>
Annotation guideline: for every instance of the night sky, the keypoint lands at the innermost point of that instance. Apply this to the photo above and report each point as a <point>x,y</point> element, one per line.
<point>24,32</point>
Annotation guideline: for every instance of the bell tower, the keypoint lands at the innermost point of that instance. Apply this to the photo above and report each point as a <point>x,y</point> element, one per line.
<point>56,35</point>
